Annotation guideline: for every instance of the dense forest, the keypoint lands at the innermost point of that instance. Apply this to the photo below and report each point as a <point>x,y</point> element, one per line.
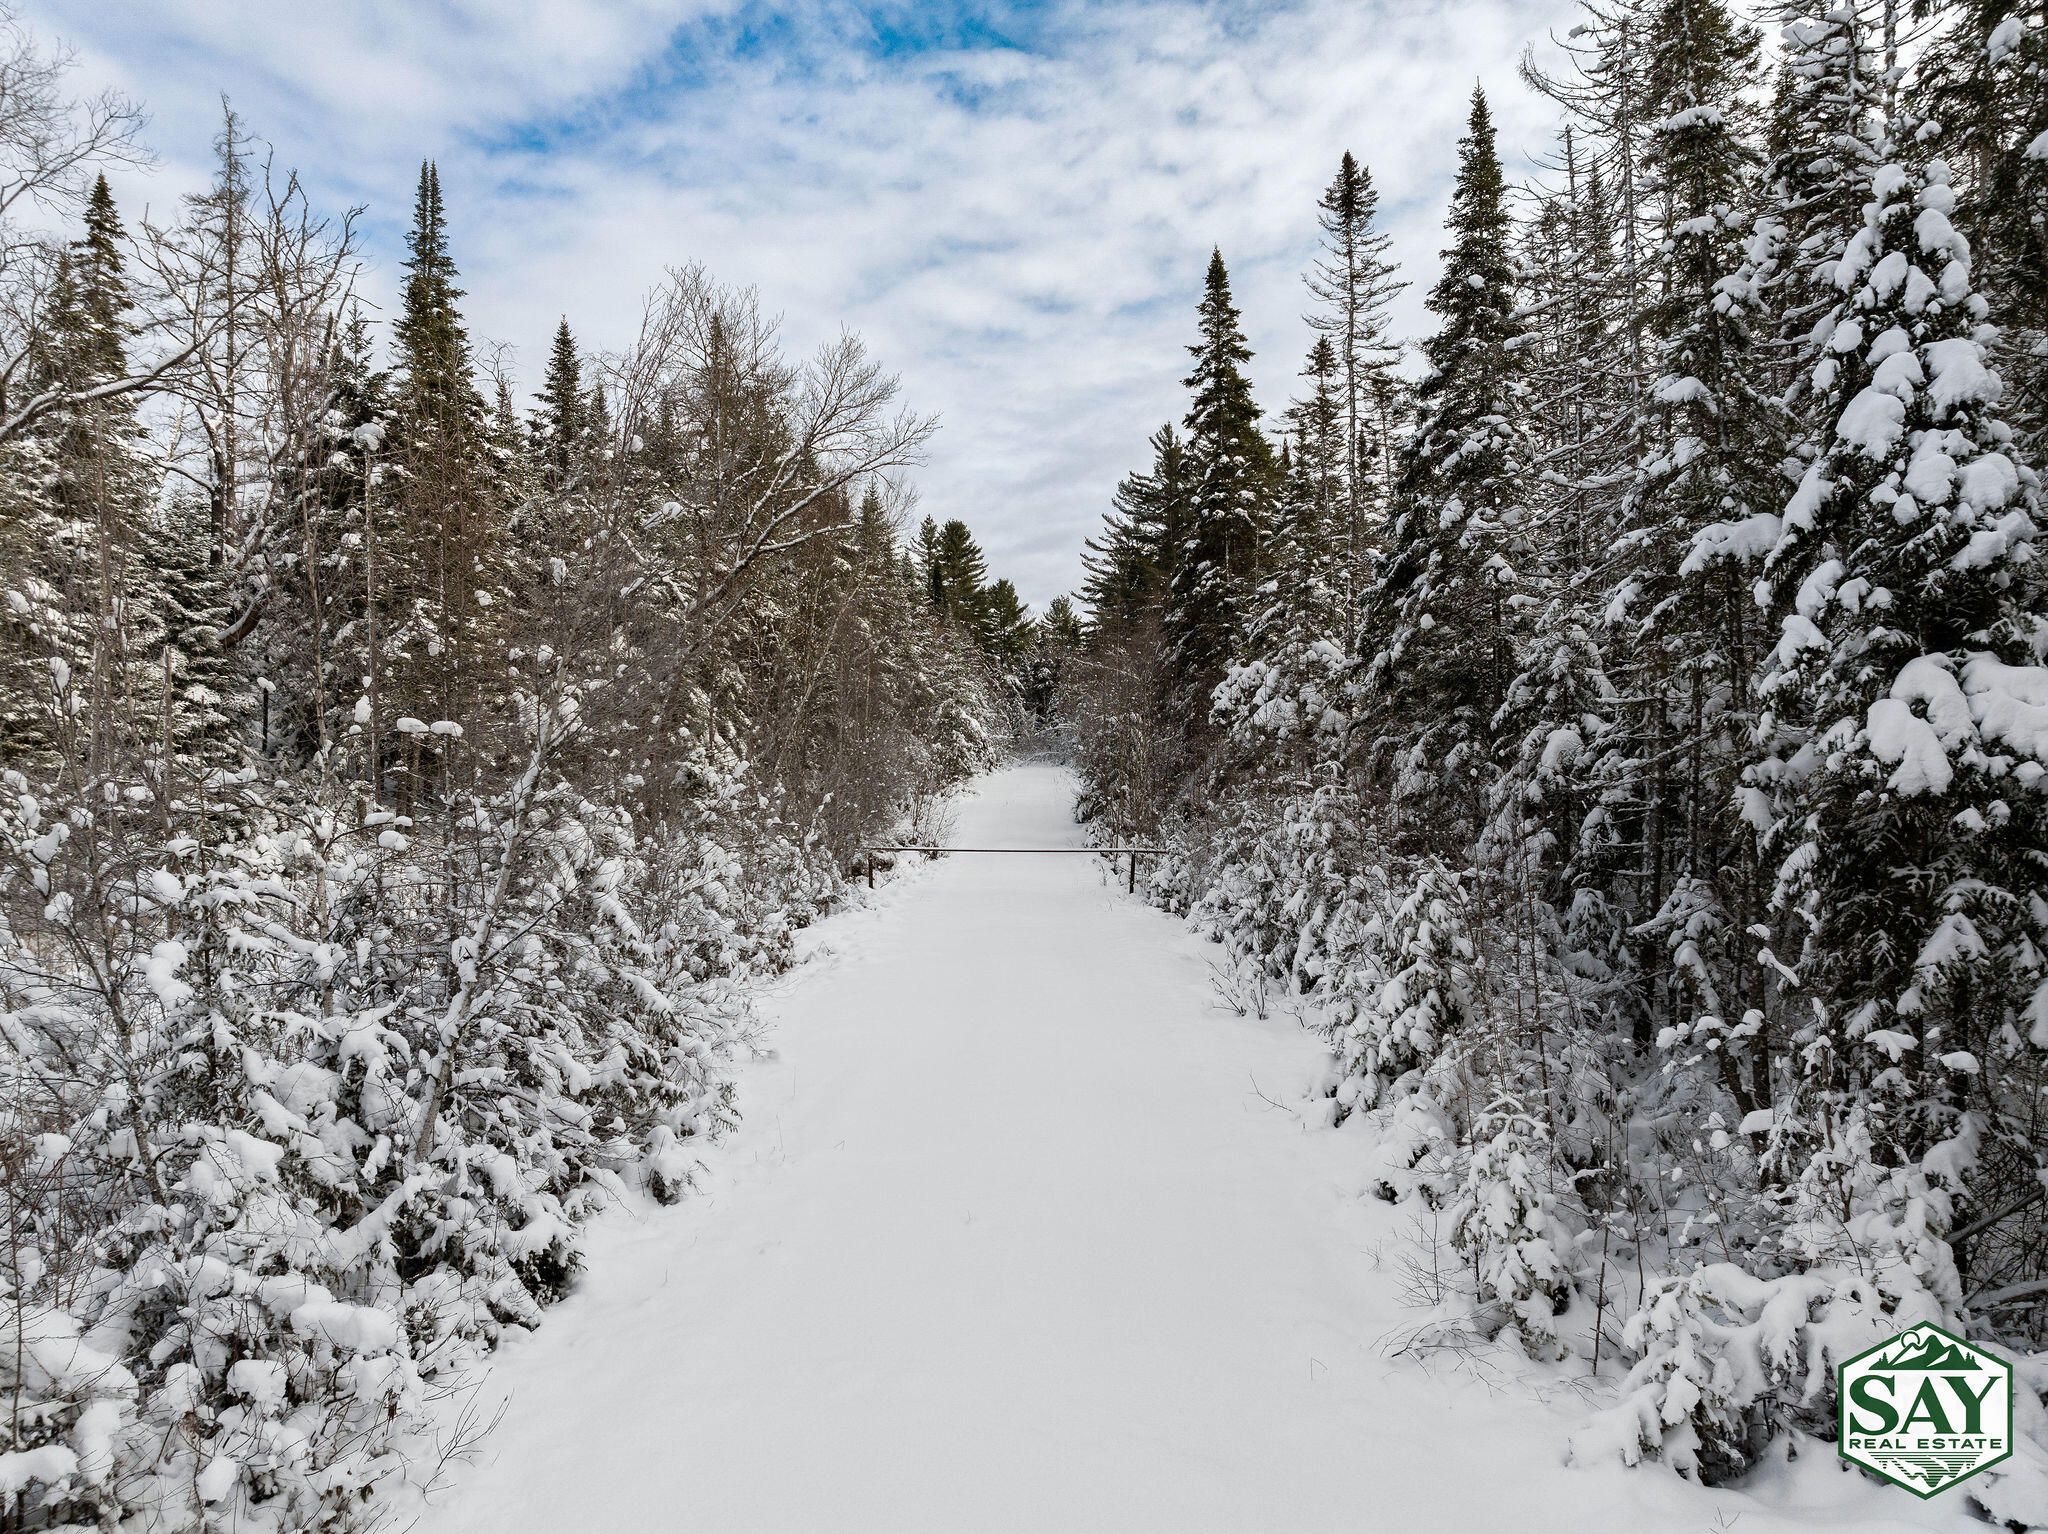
<point>1616,721</point>
<point>1622,726</point>
<point>398,787</point>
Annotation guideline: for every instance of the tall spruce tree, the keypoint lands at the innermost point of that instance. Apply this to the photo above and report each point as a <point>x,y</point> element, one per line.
<point>101,492</point>
<point>558,423</point>
<point>1315,536</point>
<point>1904,705</point>
<point>1579,400</point>
<point>1709,449</point>
<point>1279,700</point>
<point>1130,563</point>
<point>1548,831</point>
<point>1985,83</point>
<point>956,573</point>
<point>99,270</point>
<point>1297,642</point>
<point>1216,566</point>
<point>1005,628</point>
<point>1822,147</point>
<point>1354,284</point>
<point>447,564</point>
<point>1441,624</point>
<point>95,441</point>
<point>439,386</point>
<point>320,648</point>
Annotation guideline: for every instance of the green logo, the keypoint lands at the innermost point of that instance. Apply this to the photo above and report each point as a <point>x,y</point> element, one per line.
<point>1926,1410</point>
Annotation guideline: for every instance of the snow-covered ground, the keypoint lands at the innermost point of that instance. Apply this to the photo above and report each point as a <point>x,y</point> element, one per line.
<point>1022,1232</point>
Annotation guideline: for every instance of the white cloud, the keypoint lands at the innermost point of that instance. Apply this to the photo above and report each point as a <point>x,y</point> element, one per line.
<point>1020,233</point>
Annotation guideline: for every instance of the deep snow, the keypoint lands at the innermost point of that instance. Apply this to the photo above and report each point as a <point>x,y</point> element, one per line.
<point>1022,1231</point>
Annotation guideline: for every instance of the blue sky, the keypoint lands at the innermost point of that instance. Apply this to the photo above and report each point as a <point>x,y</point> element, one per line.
<point>1013,203</point>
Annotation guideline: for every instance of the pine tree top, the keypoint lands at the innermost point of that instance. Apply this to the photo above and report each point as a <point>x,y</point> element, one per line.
<point>1350,197</point>
<point>1477,270</point>
<point>1222,336</point>
<point>97,290</point>
<point>433,345</point>
<point>559,423</point>
<point>1472,365</point>
<point>1223,415</point>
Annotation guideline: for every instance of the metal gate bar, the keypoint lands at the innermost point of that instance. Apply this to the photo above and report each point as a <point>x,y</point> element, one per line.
<point>1134,853</point>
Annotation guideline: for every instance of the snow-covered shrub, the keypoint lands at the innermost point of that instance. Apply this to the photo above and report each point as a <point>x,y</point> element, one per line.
<point>69,1400</point>
<point>1297,889</point>
<point>1506,1224</point>
<point>1243,901</point>
<point>1295,696</point>
<point>1414,1149</point>
<point>2016,1492</point>
<point>1728,1355</point>
<point>1406,990</point>
<point>1717,1349</point>
<point>1286,886</point>
<point>305,1102</point>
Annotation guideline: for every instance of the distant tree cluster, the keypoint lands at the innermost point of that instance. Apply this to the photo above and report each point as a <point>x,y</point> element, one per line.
<point>397,790</point>
<point>1028,656</point>
<point>1629,728</point>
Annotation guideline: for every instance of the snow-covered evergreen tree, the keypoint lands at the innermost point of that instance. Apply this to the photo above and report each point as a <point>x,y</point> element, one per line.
<point>1442,617</point>
<point>1128,565</point>
<point>1902,698</point>
<point>1679,597</point>
<point>1215,566</point>
<point>1354,285</point>
<point>558,426</point>
<point>1984,81</point>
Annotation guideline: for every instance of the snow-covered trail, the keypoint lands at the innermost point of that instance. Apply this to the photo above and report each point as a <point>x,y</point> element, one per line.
<point>1012,1238</point>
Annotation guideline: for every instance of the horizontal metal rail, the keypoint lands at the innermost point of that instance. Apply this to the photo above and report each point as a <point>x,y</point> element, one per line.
<point>871,853</point>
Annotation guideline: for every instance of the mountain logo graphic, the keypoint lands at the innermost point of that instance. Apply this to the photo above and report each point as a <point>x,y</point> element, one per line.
<point>1926,1410</point>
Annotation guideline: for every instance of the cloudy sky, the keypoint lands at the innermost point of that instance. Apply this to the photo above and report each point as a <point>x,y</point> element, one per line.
<point>1014,203</point>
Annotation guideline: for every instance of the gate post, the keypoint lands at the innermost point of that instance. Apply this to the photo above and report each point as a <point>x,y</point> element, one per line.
<point>1132,887</point>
